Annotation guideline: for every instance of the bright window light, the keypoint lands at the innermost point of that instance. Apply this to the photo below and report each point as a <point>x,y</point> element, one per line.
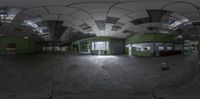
<point>100,45</point>
<point>26,37</point>
<point>185,20</point>
<point>169,48</point>
<point>176,23</point>
<point>32,23</point>
<point>10,17</point>
<point>8,14</point>
<point>161,48</point>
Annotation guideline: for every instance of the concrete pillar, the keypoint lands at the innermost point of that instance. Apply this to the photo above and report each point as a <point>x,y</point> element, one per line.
<point>130,49</point>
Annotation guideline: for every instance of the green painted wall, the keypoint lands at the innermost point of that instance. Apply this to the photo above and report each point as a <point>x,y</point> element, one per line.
<point>199,46</point>
<point>142,53</point>
<point>22,45</point>
<point>151,37</point>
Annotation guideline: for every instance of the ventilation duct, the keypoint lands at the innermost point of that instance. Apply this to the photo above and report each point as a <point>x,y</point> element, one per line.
<point>153,28</point>
<point>141,21</point>
<point>56,28</point>
<point>128,32</point>
<point>115,28</point>
<point>86,27</point>
<point>101,24</point>
<point>156,15</point>
<point>40,24</point>
<point>111,20</point>
<point>196,23</point>
<point>118,24</point>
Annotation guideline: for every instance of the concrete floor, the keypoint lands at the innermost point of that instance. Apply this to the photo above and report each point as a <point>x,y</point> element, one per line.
<point>64,76</point>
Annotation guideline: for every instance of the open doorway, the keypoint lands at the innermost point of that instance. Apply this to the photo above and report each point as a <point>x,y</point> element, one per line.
<point>191,47</point>
<point>11,48</point>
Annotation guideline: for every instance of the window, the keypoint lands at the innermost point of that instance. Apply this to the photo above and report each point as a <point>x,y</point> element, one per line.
<point>8,14</point>
<point>11,46</point>
<point>141,47</point>
<point>169,48</point>
<point>147,48</point>
<point>176,23</point>
<point>111,20</point>
<point>137,49</point>
<point>141,21</point>
<point>100,45</point>
<point>31,23</point>
<point>161,48</point>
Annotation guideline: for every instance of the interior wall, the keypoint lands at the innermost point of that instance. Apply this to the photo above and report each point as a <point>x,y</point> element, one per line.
<point>117,46</point>
<point>22,45</point>
<point>149,37</point>
<point>155,39</point>
<point>199,47</point>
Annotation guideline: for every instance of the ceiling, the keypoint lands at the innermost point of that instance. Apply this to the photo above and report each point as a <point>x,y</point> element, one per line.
<point>61,20</point>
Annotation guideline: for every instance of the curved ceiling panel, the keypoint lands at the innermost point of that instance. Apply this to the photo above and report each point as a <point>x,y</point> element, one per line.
<point>193,16</point>
<point>33,12</point>
<point>141,5</point>
<point>78,22</point>
<point>81,15</point>
<point>21,18</point>
<point>104,18</point>
<point>66,18</point>
<point>77,28</point>
<point>60,10</point>
<point>68,24</point>
<point>181,8</point>
<point>125,19</point>
<point>118,12</point>
<point>94,7</point>
<point>99,16</point>
<point>90,22</point>
<point>50,17</point>
<point>139,14</point>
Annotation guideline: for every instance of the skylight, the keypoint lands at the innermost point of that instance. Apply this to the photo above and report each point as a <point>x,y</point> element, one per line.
<point>141,21</point>
<point>5,18</point>
<point>177,20</point>
<point>43,30</point>
<point>111,20</point>
<point>8,14</point>
<point>176,23</point>
<point>31,23</point>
